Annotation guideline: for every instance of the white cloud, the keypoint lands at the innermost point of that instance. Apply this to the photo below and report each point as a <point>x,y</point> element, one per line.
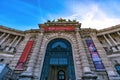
<point>91,16</point>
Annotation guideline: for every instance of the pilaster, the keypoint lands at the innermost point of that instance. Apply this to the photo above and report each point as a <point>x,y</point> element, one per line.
<point>29,73</point>
<point>87,74</point>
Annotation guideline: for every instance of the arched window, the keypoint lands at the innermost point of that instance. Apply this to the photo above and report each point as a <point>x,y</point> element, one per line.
<point>58,53</point>
<point>61,75</point>
<point>117,67</point>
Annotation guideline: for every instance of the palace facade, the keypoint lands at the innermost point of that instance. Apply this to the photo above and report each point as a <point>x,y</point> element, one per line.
<point>61,50</point>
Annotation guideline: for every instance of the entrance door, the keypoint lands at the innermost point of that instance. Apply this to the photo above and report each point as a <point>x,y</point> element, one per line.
<point>58,62</point>
<point>58,73</point>
<point>61,75</point>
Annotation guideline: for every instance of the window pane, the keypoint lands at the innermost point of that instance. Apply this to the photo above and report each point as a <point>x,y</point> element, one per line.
<point>59,44</point>
<point>118,69</point>
<point>54,61</point>
<point>62,61</point>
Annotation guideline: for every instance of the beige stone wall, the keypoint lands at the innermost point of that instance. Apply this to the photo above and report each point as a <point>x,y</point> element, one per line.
<point>110,40</point>
<point>10,40</point>
<point>46,39</point>
<point>107,42</point>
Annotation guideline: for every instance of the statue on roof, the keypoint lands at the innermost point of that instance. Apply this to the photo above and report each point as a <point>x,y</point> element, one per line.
<point>61,20</point>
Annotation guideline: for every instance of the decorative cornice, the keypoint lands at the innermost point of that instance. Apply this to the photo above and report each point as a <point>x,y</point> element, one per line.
<point>85,32</point>
<point>64,22</point>
<point>11,29</point>
<point>19,31</point>
<point>88,30</point>
<point>109,30</point>
<point>32,31</point>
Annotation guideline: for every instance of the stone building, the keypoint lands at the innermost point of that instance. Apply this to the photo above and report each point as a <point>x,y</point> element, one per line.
<point>62,50</point>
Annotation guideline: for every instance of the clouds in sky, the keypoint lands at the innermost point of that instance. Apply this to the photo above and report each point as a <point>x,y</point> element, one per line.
<point>27,14</point>
<point>93,16</point>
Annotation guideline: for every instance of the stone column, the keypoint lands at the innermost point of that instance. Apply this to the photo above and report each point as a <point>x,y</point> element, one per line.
<point>113,48</point>
<point>19,52</point>
<point>33,58</point>
<point>107,40</point>
<point>4,44</point>
<point>118,42</point>
<point>0,40</point>
<point>4,39</point>
<point>87,74</point>
<point>114,41</point>
<point>2,35</point>
<point>108,65</point>
<point>13,47</point>
<point>118,33</point>
<point>17,42</point>
<point>11,43</point>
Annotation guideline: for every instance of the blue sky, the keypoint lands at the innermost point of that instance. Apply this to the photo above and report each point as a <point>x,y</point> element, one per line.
<point>27,14</point>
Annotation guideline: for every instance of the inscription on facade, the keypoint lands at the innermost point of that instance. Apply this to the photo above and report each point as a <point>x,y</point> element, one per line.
<point>59,28</point>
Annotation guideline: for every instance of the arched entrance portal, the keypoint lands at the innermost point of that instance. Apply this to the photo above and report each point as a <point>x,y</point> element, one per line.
<point>58,62</point>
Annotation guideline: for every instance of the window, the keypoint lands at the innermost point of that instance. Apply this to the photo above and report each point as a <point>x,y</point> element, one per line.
<point>61,75</point>
<point>58,53</point>
<point>117,67</point>
<point>58,61</point>
<point>60,43</point>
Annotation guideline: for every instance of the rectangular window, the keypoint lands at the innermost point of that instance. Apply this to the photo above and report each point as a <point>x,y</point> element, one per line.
<point>58,61</point>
